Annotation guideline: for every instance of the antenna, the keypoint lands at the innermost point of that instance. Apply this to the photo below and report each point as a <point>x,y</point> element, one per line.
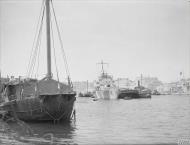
<point>102,64</point>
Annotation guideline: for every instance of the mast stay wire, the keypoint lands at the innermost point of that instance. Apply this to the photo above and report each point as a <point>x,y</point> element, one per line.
<point>36,51</point>
<point>38,60</point>
<point>36,38</point>
<point>36,48</point>
<point>61,42</point>
<point>55,61</point>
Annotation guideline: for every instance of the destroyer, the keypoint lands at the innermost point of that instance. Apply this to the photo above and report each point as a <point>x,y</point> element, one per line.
<point>105,87</point>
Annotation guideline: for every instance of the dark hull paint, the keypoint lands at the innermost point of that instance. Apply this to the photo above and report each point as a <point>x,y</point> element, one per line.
<point>43,108</point>
<point>132,94</point>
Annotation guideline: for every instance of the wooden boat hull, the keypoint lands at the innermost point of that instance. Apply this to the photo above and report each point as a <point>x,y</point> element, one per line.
<point>43,108</point>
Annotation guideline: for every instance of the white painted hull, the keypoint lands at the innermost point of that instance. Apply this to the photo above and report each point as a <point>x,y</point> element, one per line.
<point>111,93</point>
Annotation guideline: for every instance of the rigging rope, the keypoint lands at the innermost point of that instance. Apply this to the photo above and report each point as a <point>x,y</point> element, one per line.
<point>59,35</point>
<point>29,64</point>
<point>36,38</point>
<point>55,61</point>
<point>36,50</point>
<point>37,43</point>
<point>38,58</point>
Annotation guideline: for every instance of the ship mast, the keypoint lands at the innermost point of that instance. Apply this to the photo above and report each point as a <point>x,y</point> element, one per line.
<point>102,64</point>
<point>48,40</point>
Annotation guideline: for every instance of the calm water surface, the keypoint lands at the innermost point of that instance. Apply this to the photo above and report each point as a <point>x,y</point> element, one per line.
<point>161,119</point>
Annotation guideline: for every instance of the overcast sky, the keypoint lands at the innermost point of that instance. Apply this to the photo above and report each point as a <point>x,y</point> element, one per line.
<point>149,37</point>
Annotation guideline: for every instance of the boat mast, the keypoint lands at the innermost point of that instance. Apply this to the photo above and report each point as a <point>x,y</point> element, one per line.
<point>49,74</point>
<point>0,64</point>
<point>87,86</point>
<point>102,66</point>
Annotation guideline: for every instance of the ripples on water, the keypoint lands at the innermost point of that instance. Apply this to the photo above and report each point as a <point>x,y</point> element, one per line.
<point>161,119</point>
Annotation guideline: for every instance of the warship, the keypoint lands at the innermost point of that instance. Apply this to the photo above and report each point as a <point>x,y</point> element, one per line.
<point>105,87</point>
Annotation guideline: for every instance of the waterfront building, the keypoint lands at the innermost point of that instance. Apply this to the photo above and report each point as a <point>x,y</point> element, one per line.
<point>178,87</point>
<point>83,86</point>
<point>151,83</point>
<point>124,83</point>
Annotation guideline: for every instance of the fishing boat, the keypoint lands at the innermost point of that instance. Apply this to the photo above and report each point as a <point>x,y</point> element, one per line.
<point>105,87</point>
<point>45,99</point>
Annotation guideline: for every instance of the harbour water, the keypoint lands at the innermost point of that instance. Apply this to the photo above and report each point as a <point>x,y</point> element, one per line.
<point>163,119</point>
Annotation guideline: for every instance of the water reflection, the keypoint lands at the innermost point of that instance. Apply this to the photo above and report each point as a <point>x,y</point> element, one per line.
<point>43,133</point>
<point>159,120</point>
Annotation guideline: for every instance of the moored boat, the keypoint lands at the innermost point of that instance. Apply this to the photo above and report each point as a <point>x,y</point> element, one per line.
<point>142,91</point>
<point>136,93</point>
<point>125,93</point>
<point>87,94</point>
<point>46,99</point>
<point>105,87</point>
